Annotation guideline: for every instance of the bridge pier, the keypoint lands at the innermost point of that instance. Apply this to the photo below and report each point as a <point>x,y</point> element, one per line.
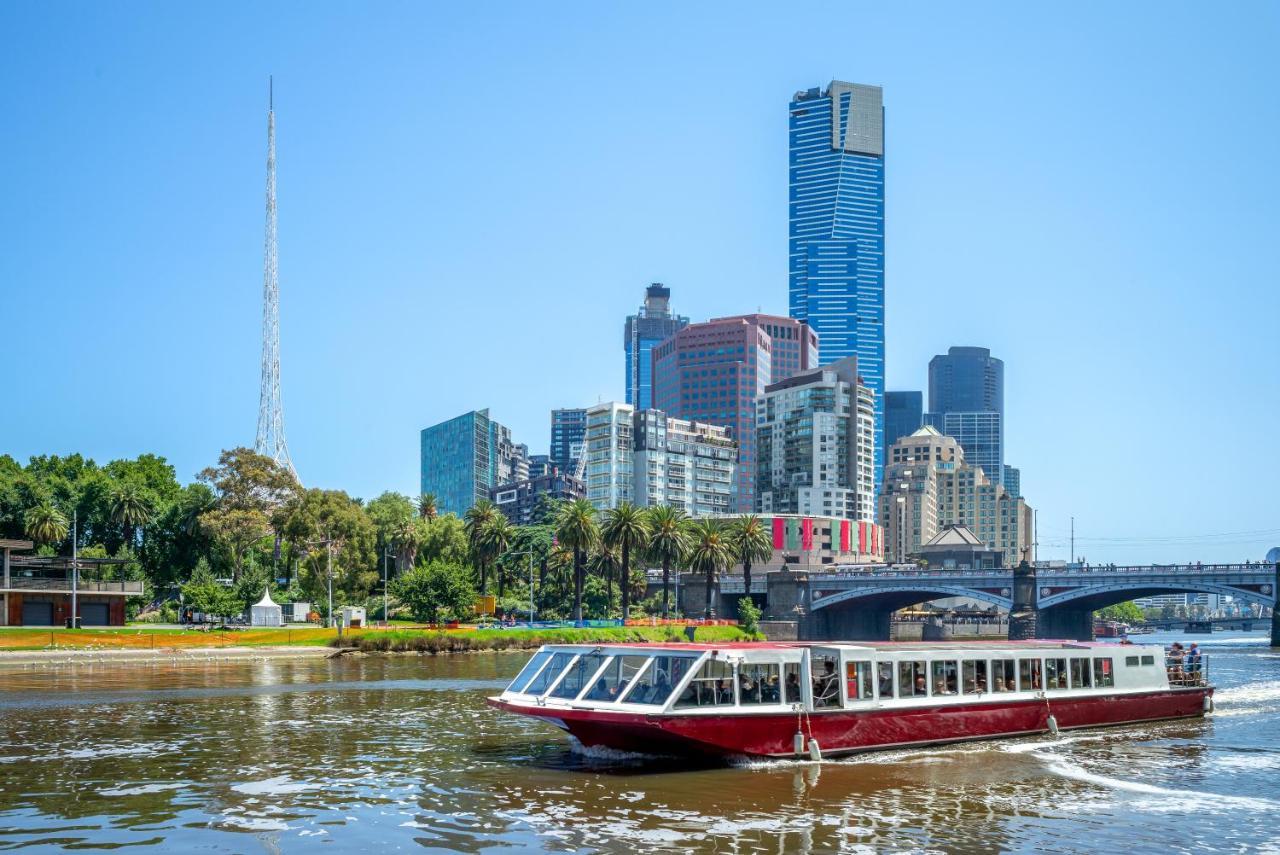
<point>1022,617</point>
<point>845,625</point>
<point>1275,610</point>
<point>1063,622</point>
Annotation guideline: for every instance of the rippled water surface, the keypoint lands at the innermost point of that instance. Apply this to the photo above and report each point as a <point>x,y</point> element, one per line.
<point>402,753</point>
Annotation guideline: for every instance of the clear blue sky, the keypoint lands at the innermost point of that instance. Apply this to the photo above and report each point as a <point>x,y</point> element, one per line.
<point>473,196</point>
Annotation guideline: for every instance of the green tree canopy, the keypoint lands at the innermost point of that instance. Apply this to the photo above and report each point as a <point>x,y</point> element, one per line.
<point>436,589</point>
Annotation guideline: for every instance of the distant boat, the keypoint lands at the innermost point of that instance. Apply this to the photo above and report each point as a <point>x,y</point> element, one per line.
<point>1109,629</point>
<point>779,699</point>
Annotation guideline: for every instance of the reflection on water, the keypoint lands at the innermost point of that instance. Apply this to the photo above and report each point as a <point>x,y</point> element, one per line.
<point>278,755</point>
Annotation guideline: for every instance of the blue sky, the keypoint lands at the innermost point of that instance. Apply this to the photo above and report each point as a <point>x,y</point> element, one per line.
<point>473,196</point>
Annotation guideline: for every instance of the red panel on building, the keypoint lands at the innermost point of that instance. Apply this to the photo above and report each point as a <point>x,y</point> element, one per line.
<point>862,538</point>
<point>806,534</point>
<point>779,533</point>
<point>875,539</point>
<point>844,535</point>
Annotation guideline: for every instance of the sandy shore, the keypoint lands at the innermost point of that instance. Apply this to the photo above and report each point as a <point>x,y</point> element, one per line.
<point>73,656</point>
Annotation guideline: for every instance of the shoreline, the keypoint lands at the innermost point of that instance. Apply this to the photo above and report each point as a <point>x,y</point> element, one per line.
<point>88,656</point>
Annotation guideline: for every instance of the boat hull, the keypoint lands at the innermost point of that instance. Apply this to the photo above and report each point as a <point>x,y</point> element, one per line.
<point>848,731</point>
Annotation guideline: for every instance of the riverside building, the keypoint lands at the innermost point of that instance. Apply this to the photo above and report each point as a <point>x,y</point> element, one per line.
<point>929,485</point>
<point>815,443</point>
<point>568,430</point>
<point>966,401</point>
<point>836,212</point>
<point>653,324</point>
<point>713,372</point>
<point>464,457</point>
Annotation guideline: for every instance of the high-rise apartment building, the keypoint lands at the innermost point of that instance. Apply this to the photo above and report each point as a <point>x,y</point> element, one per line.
<point>966,400</point>
<point>903,415</point>
<point>815,444</point>
<point>1012,480</point>
<point>713,372</point>
<point>928,485</point>
<point>464,457</point>
<point>520,501</point>
<point>836,244</point>
<point>568,428</point>
<point>653,324</point>
<point>609,447</point>
<point>682,463</point>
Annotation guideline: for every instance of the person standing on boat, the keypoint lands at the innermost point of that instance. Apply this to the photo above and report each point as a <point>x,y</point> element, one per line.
<point>1193,661</point>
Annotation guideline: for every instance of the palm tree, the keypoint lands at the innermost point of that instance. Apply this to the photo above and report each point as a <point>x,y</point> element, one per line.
<point>603,561</point>
<point>667,543</point>
<point>709,552</point>
<point>750,543</point>
<point>45,524</point>
<point>427,506</point>
<point>497,538</point>
<point>626,528</point>
<point>130,509</point>
<point>478,518</point>
<point>407,540</point>
<point>576,529</point>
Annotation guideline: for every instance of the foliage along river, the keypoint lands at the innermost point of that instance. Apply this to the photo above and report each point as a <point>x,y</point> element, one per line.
<point>401,753</point>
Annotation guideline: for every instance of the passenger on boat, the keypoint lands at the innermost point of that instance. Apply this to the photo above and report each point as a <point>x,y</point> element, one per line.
<point>748,689</point>
<point>1193,661</point>
<point>921,688</point>
<point>601,692</point>
<point>1173,662</point>
<point>826,691</point>
<point>769,693</point>
<point>1010,685</point>
<point>793,688</point>
<point>724,692</point>
<point>886,679</point>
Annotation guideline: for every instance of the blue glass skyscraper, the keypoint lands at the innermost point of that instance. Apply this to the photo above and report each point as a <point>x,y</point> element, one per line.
<point>837,228</point>
<point>644,330</point>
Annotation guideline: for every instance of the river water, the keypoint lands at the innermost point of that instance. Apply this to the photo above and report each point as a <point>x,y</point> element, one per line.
<point>401,753</point>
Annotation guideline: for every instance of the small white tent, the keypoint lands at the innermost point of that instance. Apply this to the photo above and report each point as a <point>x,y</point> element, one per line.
<point>266,612</point>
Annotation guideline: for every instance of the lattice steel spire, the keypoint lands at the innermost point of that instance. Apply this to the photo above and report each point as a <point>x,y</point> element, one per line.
<point>270,440</point>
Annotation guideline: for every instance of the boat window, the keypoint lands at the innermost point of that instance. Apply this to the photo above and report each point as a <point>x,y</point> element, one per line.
<point>885,679</point>
<point>1104,676</point>
<point>1148,660</point>
<point>1131,661</point>
<point>614,678</point>
<point>974,674</point>
<point>1004,675</point>
<point>547,675</point>
<point>712,686</point>
<point>945,680</point>
<point>758,683</point>
<point>1080,674</point>
<point>1055,673</point>
<point>529,670</point>
<point>791,682</point>
<point>826,681</point>
<point>1029,675</point>
<point>858,681</point>
<point>656,682</point>
<point>911,679</point>
<point>575,679</point>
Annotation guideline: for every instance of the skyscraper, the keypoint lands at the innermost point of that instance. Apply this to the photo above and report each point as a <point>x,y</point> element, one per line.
<point>651,325</point>
<point>966,401</point>
<point>464,457</point>
<point>903,415</point>
<point>568,427</point>
<point>713,372</point>
<point>837,227</point>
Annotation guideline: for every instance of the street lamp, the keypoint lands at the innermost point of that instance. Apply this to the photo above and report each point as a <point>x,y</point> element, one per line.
<point>386,556</point>
<point>75,566</point>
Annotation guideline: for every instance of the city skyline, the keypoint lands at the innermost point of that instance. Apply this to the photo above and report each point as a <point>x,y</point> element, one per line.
<point>162,205</point>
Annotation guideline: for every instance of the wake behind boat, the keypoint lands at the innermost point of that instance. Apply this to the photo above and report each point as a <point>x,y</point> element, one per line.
<point>825,699</point>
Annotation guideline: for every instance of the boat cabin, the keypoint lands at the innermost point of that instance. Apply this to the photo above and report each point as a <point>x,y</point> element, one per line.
<point>699,679</point>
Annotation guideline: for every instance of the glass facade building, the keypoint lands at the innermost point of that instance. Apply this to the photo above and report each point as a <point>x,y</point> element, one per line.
<point>966,401</point>
<point>981,435</point>
<point>465,457</point>
<point>650,326</point>
<point>903,415</point>
<point>836,246</point>
<point>568,430</point>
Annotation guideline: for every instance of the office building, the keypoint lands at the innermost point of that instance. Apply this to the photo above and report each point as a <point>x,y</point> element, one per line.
<point>568,427</point>
<point>966,400</point>
<point>815,446</point>
<point>464,457</point>
<point>653,324</point>
<point>713,372</point>
<point>928,486</point>
<point>1012,480</point>
<point>539,465</point>
<point>682,463</point>
<point>836,239</point>
<point>903,415</point>
<point>609,447</point>
<point>521,501</point>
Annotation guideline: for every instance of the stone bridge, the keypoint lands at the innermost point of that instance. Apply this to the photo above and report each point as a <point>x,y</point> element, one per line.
<point>855,603</point>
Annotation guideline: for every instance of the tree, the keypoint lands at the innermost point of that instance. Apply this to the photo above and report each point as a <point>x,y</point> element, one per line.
<point>427,506</point>
<point>443,539</point>
<point>750,543</point>
<point>576,529</point>
<point>331,515</point>
<point>250,489</point>
<point>709,553</point>
<point>407,539</point>
<point>497,538</point>
<point>1128,612</point>
<point>626,529</point>
<point>45,524</point>
<point>435,587</point>
<point>389,512</point>
<point>203,594</point>
<point>603,561</point>
<point>667,544</point>
<point>131,508</point>
<point>477,520</point>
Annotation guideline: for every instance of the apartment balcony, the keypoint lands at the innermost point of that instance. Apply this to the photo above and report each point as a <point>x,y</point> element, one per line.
<point>63,586</point>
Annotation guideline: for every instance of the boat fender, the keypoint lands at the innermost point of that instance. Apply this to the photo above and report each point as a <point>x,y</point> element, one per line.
<point>797,743</point>
<point>815,753</point>
<point>1053,725</point>
<point>1208,704</point>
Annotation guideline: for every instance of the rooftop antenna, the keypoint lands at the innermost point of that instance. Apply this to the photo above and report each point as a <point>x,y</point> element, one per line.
<point>270,439</point>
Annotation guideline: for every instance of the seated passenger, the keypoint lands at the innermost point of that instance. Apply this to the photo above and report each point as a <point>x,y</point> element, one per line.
<point>748,690</point>
<point>825,688</point>
<point>793,688</point>
<point>600,692</point>
<point>980,685</point>
<point>886,684</point>
<point>724,693</point>
<point>1010,685</point>
<point>769,693</point>
<point>920,686</point>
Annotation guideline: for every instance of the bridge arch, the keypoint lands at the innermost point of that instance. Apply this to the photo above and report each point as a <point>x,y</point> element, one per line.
<point>863,613</point>
<point>919,593</point>
<point>1099,596</point>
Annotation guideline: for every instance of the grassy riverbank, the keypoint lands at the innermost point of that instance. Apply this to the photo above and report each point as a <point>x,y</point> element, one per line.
<point>435,641</point>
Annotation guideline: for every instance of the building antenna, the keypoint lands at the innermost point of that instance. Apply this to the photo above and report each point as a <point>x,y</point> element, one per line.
<point>270,439</point>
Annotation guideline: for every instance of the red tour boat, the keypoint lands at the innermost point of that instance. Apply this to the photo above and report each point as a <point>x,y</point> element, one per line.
<point>826,699</point>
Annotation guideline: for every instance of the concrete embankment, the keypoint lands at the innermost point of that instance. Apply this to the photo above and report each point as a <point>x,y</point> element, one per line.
<point>157,655</point>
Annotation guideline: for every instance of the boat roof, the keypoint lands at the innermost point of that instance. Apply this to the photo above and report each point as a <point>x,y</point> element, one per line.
<point>703,646</point>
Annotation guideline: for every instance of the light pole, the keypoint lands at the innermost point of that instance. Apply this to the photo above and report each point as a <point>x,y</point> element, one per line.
<point>386,556</point>
<point>75,566</point>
